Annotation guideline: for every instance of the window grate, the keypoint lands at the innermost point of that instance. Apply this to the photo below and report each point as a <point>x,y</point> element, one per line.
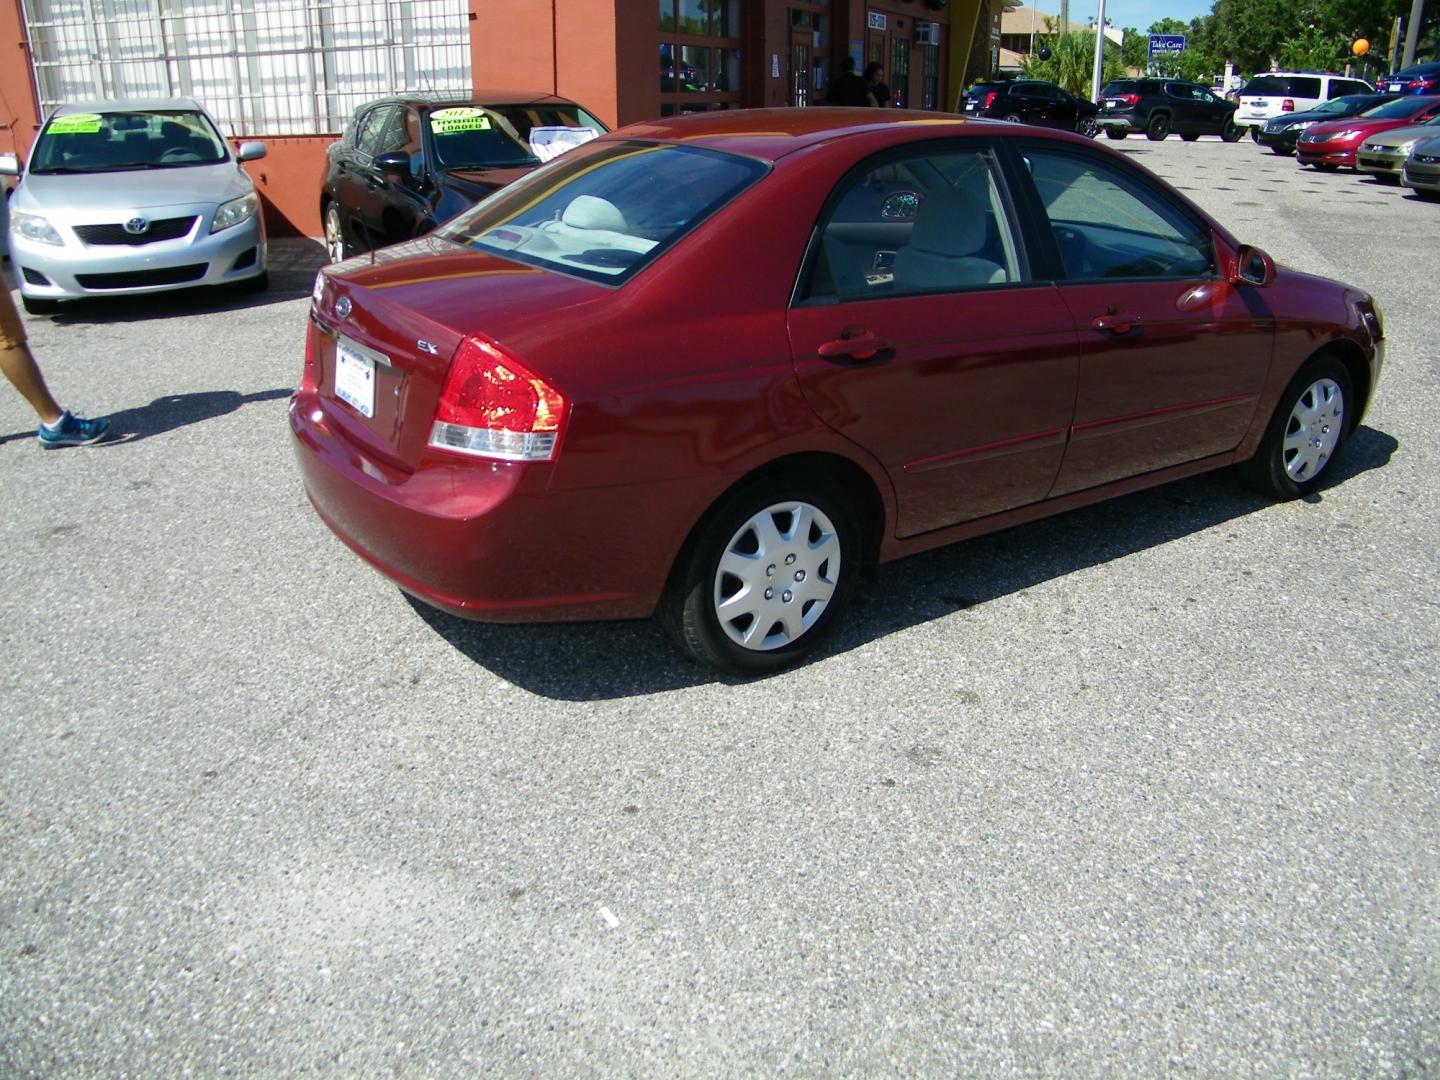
<point>262,67</point>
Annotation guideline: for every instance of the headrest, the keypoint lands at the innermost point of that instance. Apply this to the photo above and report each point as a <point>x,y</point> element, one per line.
<point>949,224</point>
<point>590,212</point>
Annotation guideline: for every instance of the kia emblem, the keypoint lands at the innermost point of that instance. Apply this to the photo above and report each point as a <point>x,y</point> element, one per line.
<point>342,307</point>
<point>136,226</point>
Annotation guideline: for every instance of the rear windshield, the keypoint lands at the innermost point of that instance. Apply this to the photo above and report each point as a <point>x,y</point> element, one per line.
<point>119,141</point>
<point>606,211</point>
<point>508,136</point>
<point>1128,86</point>
<point>1282,85</point>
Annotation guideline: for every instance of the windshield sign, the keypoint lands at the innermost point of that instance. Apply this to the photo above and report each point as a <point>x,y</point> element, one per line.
<point>508,136</point>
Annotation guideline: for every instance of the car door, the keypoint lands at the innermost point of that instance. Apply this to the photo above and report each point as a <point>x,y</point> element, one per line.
<point>353,187</point>
<point>919,333</point>
<point>391,205</point>
<point>1181,105</point>
<point>1172,356</point>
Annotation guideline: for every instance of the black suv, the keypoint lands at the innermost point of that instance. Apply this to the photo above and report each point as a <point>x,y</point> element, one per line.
<point>1159,106</point>
<point>1032,101</point>
<point>406,164</point>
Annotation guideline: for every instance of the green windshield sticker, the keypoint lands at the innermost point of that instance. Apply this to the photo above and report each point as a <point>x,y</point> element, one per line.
<point>76,124</point>
<point>454,121</point>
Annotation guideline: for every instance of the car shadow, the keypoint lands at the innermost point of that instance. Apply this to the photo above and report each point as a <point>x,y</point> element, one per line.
<point>603,661</point>
<point>169,413</point>
<point>292,266</point>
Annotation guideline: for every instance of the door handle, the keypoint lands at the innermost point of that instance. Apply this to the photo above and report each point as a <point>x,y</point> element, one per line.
<point>1116,324</point>
<point>860,346</point>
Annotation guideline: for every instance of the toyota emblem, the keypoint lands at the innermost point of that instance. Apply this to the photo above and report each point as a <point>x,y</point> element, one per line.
<point>136,226</point>
<point>342,307</point>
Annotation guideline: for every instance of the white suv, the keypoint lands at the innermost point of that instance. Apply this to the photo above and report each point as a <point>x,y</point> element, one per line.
<point>1276,92</point>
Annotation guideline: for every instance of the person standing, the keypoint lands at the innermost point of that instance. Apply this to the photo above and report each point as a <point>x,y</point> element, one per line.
<point>58,427</point>
<point>875,86</point>
<point>849,89</point>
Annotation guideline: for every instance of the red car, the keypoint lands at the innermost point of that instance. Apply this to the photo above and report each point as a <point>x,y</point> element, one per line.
<point>1332,145</point>
<point>713,367</point>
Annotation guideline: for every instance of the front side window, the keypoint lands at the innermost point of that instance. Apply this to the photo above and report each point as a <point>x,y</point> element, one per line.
<point>371,131</point>
<point>926,222</point>
<point>1109,223</point>
<point>605,212</point>
<point>122,141</point>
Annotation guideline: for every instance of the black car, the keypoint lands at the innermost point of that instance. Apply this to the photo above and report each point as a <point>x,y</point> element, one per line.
<point>1159,106</point>
<point>1281,133</point>
<point>1031,101</point>
<point>406,164</point>
<point>978,96</point>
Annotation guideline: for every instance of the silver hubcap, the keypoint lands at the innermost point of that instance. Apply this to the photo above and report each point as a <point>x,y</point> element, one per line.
<point>1313,430</point>
<point>334,243</point>
<point>777,575</point>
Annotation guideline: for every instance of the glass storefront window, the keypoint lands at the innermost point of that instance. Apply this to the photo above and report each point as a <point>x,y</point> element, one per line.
<point>694,17</point>
<point>667,15</point>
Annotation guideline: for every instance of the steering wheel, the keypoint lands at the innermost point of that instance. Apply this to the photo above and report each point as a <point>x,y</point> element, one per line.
<point>179,153</point>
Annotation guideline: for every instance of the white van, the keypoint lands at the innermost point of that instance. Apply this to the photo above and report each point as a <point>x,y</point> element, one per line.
<point>1276,92</point>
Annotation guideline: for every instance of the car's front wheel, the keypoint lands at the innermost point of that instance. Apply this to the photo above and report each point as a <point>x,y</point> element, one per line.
<point>1158,128</point>
<point>1232,131</point>
<point>1116,132</point>
<point>766,577</point>
<point>335,246</point>
<point>1306,432</point>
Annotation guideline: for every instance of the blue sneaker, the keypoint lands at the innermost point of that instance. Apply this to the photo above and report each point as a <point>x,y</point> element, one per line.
<point>72,430</point>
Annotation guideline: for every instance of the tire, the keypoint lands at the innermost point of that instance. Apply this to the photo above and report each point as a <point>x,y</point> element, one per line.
<point>336,248</point>
<point>766,577</point>
<point>1255,135</point>
<point>37,306</point>
<point>1232,131</point>
<point>1282,151</point>
<point>1116,133</point>
<point>1189,137</point>
<point>1087,126</point>
<point>1158,128</point>
<point>1306,433</point>
<point>1012,118</point>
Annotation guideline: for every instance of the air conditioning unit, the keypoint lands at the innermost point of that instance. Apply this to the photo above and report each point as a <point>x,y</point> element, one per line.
<point>927,33</point>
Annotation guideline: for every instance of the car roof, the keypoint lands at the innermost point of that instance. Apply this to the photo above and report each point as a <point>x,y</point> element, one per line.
<point>128,105</point>
<point>479,97</point>
<point>770,134</point>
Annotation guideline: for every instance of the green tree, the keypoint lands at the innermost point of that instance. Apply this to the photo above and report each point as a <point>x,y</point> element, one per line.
<point>1072,62</point>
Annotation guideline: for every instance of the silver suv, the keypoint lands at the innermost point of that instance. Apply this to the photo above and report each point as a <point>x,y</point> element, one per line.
<point>1276,92</point>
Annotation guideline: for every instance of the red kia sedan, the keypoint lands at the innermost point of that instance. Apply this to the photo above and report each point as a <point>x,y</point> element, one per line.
<point>1332,145</point>
<point>713,368</point>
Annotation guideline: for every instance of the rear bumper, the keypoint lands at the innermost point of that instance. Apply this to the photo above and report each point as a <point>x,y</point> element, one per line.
<point>491,540</point>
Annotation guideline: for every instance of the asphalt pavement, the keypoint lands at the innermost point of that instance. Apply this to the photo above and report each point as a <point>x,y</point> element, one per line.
<point>1149,788</point>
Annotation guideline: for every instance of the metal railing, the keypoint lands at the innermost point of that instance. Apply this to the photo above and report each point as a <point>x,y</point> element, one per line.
<point>262,67</point>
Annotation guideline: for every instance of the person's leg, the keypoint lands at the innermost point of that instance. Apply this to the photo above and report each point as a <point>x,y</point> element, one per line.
<point>22,371</point>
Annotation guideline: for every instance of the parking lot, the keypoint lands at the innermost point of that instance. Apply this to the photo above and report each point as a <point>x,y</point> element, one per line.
<point>1151,787</point>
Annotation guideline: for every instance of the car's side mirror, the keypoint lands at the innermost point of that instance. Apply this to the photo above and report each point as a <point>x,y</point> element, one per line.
<point>394,163</point>
<point>1253,267</point>
<point>250,151</point>
<point>9,164</point>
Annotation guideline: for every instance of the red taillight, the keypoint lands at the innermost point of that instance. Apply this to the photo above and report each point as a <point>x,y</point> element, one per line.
<point>1130,99</point>
<point>1288,105</point>
<point>494,406</point>
<point>989,98</point>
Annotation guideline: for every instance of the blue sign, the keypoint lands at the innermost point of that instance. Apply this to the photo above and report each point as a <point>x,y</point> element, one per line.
<point>1166,44</point>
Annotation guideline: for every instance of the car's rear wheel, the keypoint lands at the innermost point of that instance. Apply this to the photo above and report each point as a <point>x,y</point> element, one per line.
<point>1087,126</point>
<point>1116,133</point>
<point>1232,131</point>
<point>1012,118</point>
<point>1254,135</point>
<point>1158,128</point>
<point>1189,137</point>
<point>38,306</point>
<point>335,246</point>
<point>1306,432</point>
<point>766,577</point>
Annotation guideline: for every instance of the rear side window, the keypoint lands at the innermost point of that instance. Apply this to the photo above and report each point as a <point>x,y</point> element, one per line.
<point>1109,223</point>
<point>604,211</point>
<point>1303,86</point>
<point>929,221</point>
